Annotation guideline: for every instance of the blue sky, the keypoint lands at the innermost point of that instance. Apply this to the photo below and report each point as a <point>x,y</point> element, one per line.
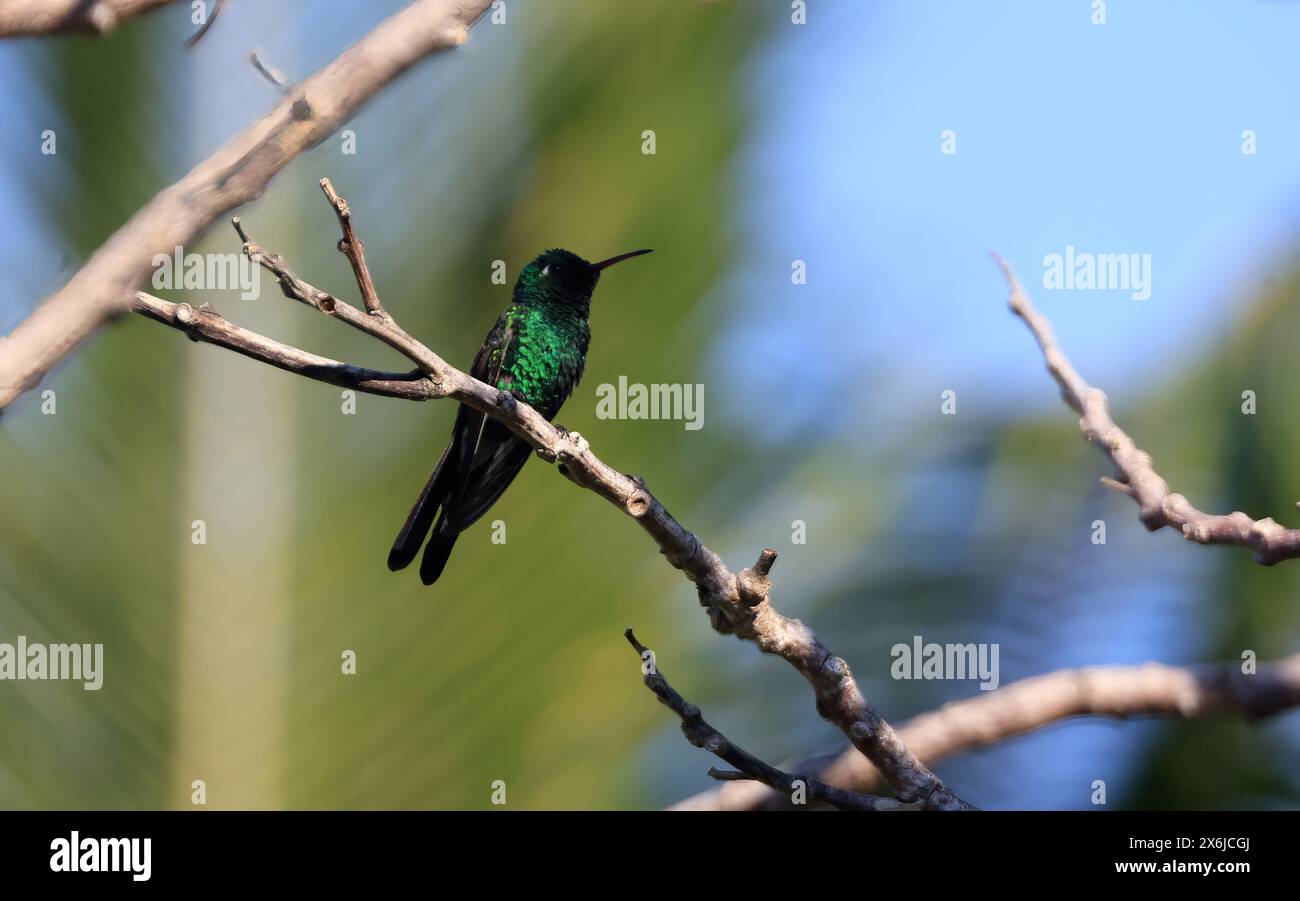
<point>1123,137</point>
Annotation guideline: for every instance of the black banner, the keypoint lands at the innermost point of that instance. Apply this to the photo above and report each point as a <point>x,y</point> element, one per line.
<point>256,849</point>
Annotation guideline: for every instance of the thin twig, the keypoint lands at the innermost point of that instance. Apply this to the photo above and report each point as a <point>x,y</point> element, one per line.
<point>1136,477</point>
<point>354,249</point>
<point>747,766</point>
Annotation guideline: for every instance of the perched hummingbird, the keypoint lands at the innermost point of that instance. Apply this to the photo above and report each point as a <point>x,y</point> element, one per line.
<point>536,351</point>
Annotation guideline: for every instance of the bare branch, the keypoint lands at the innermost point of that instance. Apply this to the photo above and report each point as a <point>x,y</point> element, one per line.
<point>748,767</point>
<point>748,613</point>
<point>1135,474</point>
<point>1119,692</point>
<point>354,249</point>
<point>237,173</point>
<point>41,17</point>
<point>738,605</point>
<point>378,325</point>
<point>205,324</point>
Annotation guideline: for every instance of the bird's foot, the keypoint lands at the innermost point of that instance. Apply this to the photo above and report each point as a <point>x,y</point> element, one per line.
<point>577,444</point>
<point>570,445</point>
<point>555,455</point>
<point>549,453</point>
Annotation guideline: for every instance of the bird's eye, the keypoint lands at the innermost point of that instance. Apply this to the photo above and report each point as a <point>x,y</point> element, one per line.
<point>551,269</point>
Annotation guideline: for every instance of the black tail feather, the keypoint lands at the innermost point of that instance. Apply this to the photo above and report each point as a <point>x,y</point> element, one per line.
<point>421,516</point>
<point>481,460</point>
<point>436,553</point>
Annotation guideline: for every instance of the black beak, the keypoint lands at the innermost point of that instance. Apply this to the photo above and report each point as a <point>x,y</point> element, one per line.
<point>603,264</point>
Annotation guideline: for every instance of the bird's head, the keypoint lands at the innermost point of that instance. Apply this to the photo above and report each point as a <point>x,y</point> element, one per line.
<point>561,278</point>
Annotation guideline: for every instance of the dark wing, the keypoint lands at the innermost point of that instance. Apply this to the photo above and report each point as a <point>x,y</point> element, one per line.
<point>501,454</point>
<point>409,539</point>
<point>447,477</point>
<point>490,454</point>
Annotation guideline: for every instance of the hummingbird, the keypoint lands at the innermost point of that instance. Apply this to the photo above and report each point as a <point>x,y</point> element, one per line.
<point>536,351</point>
